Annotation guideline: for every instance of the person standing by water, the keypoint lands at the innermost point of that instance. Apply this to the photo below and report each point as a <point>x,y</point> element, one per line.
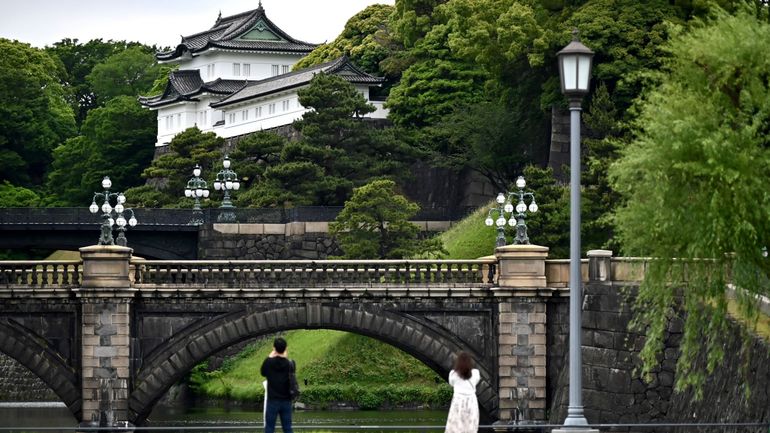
<point>464,411</point>
<point>276,368</point>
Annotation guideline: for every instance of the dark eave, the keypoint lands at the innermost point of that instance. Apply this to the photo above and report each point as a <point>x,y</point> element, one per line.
<point>186,85</point>
<point>341,67</point>
<point>226,32</point>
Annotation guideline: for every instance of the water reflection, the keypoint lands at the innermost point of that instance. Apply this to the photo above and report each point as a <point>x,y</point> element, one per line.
<point>27,417</point>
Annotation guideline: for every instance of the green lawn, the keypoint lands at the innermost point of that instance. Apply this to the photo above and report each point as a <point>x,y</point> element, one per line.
<point>470,238</point>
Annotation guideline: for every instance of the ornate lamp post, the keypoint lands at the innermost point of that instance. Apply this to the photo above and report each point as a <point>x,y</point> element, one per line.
<point>516,218</point>
<point>226,181</point>
<point>575,72</point>
<point>107,219</point>
<point>196,188</point>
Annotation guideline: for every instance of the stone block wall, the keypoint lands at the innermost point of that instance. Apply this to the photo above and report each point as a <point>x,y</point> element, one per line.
<point>267,242</point>
<point>18,383</point>
<point>105,360</point>
<point>522,359</point>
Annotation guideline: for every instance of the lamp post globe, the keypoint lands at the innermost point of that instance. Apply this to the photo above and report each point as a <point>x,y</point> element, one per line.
<point>575,72</point>
<point>513,216</point>
<point>111,215</point>
<point>226,181</point>
<point>196,189</point>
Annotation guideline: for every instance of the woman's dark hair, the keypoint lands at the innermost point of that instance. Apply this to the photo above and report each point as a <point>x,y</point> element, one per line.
<point>464,365</point>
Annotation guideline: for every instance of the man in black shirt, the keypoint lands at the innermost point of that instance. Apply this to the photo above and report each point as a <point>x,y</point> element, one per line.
<point>276,369</point>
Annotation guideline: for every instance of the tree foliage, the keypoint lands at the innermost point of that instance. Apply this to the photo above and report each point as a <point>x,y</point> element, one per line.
<point>168,174</point>
<point>116,141</point>
<point>361,40</point>
<point>338,150</point>
<point>374,224</point>
<point>131,72</point>
<point>34,114</point>
<point>17,196</point>
<point>695,180</point>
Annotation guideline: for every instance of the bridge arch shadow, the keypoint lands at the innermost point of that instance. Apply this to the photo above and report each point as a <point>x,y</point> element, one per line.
<point>21,344</point>
<point>433,347</point>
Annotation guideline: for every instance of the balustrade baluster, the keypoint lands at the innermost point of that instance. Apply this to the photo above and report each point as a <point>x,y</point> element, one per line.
<point>491,275</point>
<point>34,273</point>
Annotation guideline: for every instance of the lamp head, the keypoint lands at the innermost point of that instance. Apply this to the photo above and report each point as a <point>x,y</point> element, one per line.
<point>106,182</point>
<point>500,198</point>
<point>226,162</point>
<point>575,67</point>
<point>197,170</point>
<point>520,182</point>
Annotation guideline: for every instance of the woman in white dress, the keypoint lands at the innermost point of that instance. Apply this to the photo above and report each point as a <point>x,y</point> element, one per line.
<point>464,411</point>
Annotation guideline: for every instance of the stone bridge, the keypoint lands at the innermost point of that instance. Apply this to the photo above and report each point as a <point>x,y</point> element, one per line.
<point>111,333</point>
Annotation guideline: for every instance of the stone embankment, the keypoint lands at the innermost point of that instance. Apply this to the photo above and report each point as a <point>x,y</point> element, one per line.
<point>17,383</point>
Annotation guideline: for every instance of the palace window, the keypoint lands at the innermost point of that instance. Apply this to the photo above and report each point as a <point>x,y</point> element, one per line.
<point>179,120</point>
<point>274,70</point>
<point>285,69</point>
<point>236,69</point>
<point>259,112</point>
<point>210,70</point>
<point>245,115</point>
<point>285,105</point>
<point>231,118</point>
<point>246,69</point>
<point>271,109</point>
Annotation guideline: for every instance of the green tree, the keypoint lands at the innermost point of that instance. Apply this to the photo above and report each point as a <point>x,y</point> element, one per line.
<point>116,141</point>
<point>695,180</point>
<point>549,226</point>
<point>34,114</point>
<point>17,196</point>
<point>254,154</point>
<point>129,72</point>
<point>78,60</point>
<point>338,150</point>
<point>374,224</point>
<point>361,40</point>
<point>168,174</point>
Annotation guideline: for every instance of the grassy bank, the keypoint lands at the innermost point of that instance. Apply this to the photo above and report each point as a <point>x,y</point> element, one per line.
<point>333,367</point>
<point>470,238</point>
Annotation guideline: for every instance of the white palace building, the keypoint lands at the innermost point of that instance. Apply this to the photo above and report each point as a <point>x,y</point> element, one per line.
<point>237,78</point>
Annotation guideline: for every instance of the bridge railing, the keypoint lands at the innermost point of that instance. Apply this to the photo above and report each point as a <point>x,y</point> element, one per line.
<point>35,275</point>
<point>314,273</point>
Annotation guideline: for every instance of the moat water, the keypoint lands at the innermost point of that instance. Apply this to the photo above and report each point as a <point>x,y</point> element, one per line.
<point>27,416</point>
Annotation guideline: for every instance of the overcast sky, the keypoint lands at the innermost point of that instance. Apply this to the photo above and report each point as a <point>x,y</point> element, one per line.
<point>161,22</point>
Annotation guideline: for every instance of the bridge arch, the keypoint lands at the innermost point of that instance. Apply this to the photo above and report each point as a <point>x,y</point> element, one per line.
<point>432,346</point>
<point>21,345</point>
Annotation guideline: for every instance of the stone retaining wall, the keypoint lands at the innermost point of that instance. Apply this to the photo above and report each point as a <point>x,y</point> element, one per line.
<point>17,383</point>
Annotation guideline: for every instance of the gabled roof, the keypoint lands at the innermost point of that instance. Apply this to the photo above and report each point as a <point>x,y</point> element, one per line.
<point>185,85</point>
<point>247,31</point>
<point>341,67</point>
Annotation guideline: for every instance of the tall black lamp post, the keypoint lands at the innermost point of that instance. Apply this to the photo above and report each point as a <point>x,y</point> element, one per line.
<point>107,214</point>
<point>575,73</point>
<point>226,180</point>
<point>505,207</point>
<point>197,188</point>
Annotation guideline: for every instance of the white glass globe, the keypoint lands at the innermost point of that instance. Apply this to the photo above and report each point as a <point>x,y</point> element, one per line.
<point>187,193</point>
<point>93,208</point>
<point>226,162</point>
<point>121,198</point>
<point>236,185</point>
<point>533,207</point>
<point>217,185</point>
<point>106,208</point>
<point>520,182</point>
<point>205,193</point>
<point>512,222</point>
<point>199,192</point>
<point>106,183</point>
<point>121,221</point>
<point>229,184</point>
<point>119,208</point>
<point>508,208</point>
<point>197,171</point>
<point>132,222</point>
<point>500,222</point>
<point>500,198</point>
<point>111,221</point>
<point>489,221</point>
<point>521,207</point>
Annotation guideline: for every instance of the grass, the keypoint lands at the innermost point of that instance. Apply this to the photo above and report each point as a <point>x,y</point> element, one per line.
<point>64,255</point>
<point>470,238</point>
<point>762,327</point>
<point>332,367</point>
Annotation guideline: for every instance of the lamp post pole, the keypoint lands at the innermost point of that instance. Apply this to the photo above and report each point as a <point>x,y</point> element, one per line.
<point>226,181</point>
<point>575,72</point>
<point>196,188</point>
<point>107,218</point>
<point>516,219</point>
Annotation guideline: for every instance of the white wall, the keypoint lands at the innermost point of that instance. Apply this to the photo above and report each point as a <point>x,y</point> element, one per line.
<point>214,64</point>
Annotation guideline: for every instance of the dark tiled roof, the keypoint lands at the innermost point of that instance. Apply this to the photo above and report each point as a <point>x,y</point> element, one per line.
<point>341,67</point>
<point>226,33</point>
<point>184,85</point>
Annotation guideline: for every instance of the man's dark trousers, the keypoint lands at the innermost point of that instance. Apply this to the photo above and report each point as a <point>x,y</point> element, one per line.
<point>278,407</point>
